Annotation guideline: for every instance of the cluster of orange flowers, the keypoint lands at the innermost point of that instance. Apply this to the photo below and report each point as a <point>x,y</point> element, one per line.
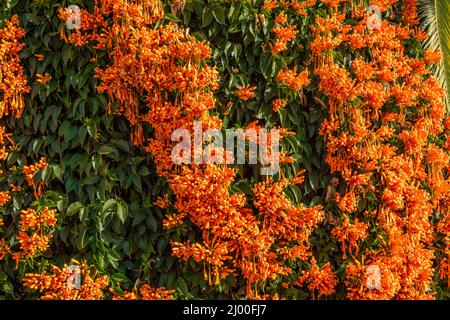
<point>283,35</point>
<point>299,6</point>
<point>384,111</point>
<point>255,242</point>
<point>293,80</point>
<point>323,280</point>
<point>35,224</point>
<point>30,171</point>
<point>245,93</point>
<point>43,79</point>
<point>349,234</point>
<point>33,234</point>
<point>145,292</point>
<point>4,249</point>
<point>86,21</point>
<point>5,143</point>
<point>82,282</point>
<point>278,104</point>
<point>4,195</point>
<point>60,284</point>
<point>13,82</point>
<point>168,68</point>
<point>4,198</point>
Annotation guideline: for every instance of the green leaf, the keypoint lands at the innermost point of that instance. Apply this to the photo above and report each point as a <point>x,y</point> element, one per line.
<point>81,240</point>
<point>180,284</point>
<point>207,16</point>
<point>109,151</point>
<point>8,287</point>
<point>96,161</point>
<point>108,205</point>
<point>219,14</point>
<point>66,53</point>
<point>3,276</point>
<point>314,180</point>
<point>152,223</point>
<point>143,171</point>
<point>106,150</point>
<point>74,208</point>
<point>90,180</point>
<point>119,277</point>
<point>122,211</point>
<point>234,10</point>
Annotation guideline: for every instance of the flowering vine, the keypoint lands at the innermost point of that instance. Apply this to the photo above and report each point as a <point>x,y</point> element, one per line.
<point>384,114</point>
<point>166,69</point>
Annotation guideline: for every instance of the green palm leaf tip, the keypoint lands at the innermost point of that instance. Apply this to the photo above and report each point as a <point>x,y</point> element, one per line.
<point>435,20</point>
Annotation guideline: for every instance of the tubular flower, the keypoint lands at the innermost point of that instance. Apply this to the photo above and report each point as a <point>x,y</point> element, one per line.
<point>43,79</point>
<point>269,5</point>
<point>246,93</point>
<point>301,7</point>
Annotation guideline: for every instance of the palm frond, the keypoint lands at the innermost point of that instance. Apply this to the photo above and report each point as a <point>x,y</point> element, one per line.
<point>435,20</point>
